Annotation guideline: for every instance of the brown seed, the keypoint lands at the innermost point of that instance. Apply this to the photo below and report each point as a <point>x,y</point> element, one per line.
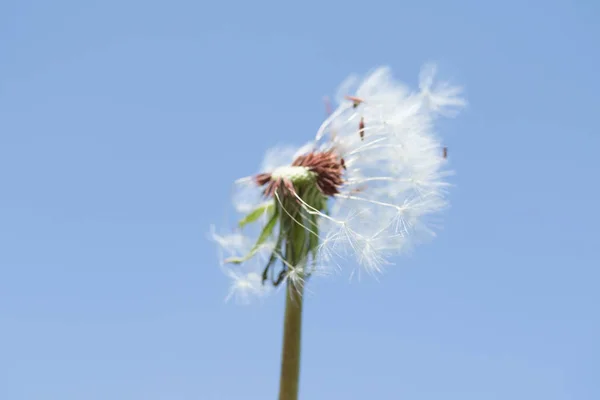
<point>361,128</point>
<point>358,189</point>
<point>355,100</point>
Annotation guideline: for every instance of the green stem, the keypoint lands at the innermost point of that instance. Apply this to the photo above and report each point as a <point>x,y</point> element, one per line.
<point>292,328</point>
<point>292,323</point>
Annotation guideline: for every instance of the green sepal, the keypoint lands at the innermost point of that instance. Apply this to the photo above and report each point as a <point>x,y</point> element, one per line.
<point>276,253</point>
<point>264,235</point>
<point>298,238</point>
<point>313,238</point>
<point>255,214</point>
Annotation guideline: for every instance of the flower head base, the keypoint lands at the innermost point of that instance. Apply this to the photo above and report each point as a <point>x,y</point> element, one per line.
<point>323,169</point>
<point>328,168</point>
<point>363,188</point>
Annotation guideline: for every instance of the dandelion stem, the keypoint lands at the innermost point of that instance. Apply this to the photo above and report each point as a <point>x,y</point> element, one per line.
<point>292,329</point>
<point>292,324</point>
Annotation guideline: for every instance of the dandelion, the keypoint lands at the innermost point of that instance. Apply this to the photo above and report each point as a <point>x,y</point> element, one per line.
<point>364,188</point>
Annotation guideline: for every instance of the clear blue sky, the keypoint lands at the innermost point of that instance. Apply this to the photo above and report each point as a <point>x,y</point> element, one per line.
<point>123,123</point>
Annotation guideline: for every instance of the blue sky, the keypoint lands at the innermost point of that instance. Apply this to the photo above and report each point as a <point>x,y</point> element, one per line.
<point>123,123</point>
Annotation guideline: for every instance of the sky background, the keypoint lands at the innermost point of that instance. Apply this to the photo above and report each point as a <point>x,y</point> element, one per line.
<point>123,124</point>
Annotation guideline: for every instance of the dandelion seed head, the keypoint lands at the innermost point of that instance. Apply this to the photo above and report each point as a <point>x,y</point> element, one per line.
<point>245,287</point>
<point>365,188</point>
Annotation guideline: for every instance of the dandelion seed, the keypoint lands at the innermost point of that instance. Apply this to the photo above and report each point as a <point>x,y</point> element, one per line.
<point>244,287</point>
